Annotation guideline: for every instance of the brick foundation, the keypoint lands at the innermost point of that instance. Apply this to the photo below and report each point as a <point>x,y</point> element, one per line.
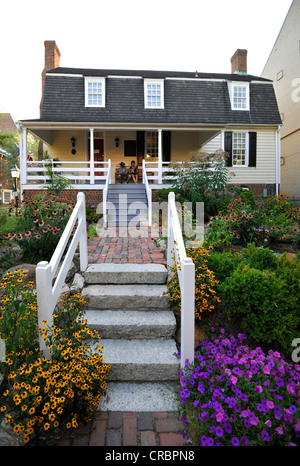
<point>92,197</point>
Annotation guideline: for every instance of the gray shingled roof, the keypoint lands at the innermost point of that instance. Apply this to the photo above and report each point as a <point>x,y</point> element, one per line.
<point>203,101</point>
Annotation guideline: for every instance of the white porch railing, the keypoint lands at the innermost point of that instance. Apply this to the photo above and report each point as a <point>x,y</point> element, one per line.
<point>105,191</point>
<point>78,172</point>
<point>186,275</point>
<point>149,194</point>
<point>157,172</point>
<point>47,295</point>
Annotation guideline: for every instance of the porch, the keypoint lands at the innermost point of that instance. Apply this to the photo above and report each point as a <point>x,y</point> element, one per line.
<point>88,158</point>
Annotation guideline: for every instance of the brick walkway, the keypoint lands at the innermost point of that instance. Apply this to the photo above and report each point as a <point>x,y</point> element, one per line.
<point>128,428</point>
<point>121,248</point>
<point>118,429</point>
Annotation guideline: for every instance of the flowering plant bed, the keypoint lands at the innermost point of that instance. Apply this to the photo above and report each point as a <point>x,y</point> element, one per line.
<point>38,395</point>
<point>234,395</point>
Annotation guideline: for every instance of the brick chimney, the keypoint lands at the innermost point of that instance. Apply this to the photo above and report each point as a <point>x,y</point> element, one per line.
<point>52,60</point>
<point>239,62</point>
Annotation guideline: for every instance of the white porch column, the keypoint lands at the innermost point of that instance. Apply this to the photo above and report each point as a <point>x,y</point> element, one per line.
<point>23,157</point>
<point>92,164</point>
<point>159,156</point>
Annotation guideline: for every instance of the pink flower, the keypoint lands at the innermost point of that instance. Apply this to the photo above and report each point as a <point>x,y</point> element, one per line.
<point>279,430</point>
<point>270,404</point>
<point>254,420</point>
<point>266,369</point>
<point>219,416</point>
<point>290,389</point>
<point>233,379</point>
<point>258,389</point>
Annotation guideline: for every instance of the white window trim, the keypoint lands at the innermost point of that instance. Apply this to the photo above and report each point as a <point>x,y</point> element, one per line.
<point>231,85</point>
<point>246,149</point>
<point>159,82</point>
<point>88,80</point>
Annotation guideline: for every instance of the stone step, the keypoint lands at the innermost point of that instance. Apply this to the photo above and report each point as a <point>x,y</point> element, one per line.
<point>127,297</point>
<point>121,274</point>
<point>141,360</point>
<point>140,397</point>
<point>132,324</point>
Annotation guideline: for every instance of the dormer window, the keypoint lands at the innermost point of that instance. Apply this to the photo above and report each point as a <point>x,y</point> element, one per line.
<point>154,93</point>
<point>94,92</point>
<point>239,96</point>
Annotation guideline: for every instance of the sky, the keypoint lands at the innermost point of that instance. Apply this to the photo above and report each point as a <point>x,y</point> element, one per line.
<point>169,35</point>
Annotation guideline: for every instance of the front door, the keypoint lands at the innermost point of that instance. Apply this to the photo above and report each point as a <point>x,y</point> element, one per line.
<point>98,155</point>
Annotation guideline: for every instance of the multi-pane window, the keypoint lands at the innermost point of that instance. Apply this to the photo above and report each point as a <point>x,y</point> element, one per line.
<point>239,149</point>
<point>154,94</point>
<point>152,145</point>
<point>95,92</point>
<point>239,97</point>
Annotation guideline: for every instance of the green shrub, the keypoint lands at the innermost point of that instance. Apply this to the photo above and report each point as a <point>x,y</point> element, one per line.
<point>260,258</point>
<point>265,304</point>
<point>223,263</point>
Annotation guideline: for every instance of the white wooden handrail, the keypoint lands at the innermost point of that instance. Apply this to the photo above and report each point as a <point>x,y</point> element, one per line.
<point>149,194</point>
<point>186,275</point>
<point>105,191</point>
<point>47,295</point>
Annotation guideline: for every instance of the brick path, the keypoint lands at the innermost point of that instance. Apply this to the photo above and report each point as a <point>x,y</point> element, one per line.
<point>123,248</point>
<point>128,428</point>
<point>118,429</point>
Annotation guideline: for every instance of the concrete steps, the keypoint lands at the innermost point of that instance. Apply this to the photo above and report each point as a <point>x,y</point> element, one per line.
<point>132,314</point>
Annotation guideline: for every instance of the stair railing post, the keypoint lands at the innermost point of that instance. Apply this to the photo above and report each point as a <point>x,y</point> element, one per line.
<point>83,250</point>
<point>44,302</point>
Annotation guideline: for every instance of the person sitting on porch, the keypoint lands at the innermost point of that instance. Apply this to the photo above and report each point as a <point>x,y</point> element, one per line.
<point>133,171</point>
<point>122,173</point>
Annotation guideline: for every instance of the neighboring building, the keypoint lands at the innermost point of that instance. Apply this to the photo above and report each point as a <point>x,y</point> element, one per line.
<point>90,116</point>
<point>283,68</point>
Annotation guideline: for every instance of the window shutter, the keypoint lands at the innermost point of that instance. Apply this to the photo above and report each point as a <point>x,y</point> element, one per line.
<point>252,149</point>
<point>228,147</point>
<point>166,146</point>
<point>140,144</point>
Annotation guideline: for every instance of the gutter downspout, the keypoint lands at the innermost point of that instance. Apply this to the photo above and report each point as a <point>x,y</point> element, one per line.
<point>277,163</point>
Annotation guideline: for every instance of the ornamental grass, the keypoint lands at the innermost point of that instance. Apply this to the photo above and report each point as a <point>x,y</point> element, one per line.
<point>38,394</point>
<point>237,396</point>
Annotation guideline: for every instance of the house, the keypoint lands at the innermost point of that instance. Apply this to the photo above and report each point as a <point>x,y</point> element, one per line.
<point>283,68</point>
<point>92,116</point>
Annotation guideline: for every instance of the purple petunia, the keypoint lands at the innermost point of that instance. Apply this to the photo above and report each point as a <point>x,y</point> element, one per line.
<point>265,435</point>
<point>235,441</point>
<point>219,431</point>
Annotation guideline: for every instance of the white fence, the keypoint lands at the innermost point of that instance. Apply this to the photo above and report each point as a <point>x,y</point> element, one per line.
<point>47,295</point>
<point>78,172</point>
<point>186,275</point>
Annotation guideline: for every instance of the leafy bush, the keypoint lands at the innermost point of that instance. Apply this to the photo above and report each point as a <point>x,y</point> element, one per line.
<point>37,394</point>
<point>265,302</point>
<point>41,223</point>
<point>205,283</point>
<point>223,263</point>
<point>198,182</point>
<point>233,395</point>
